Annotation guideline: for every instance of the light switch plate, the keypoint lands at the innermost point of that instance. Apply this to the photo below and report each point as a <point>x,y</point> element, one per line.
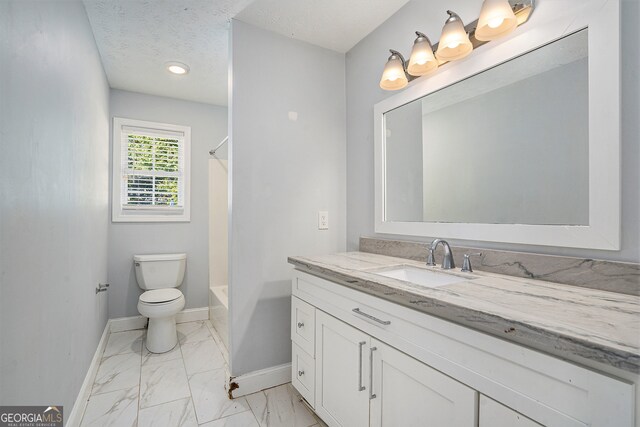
<point>323,220</point>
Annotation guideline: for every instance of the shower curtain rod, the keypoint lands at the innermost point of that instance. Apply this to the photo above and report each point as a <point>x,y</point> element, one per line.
<point>213,152</point>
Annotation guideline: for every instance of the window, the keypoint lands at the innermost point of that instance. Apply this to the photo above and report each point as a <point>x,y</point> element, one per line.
<point>150,171</point>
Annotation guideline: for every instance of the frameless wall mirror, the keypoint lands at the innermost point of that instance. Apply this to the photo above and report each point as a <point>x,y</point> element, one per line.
<point>514,152</point>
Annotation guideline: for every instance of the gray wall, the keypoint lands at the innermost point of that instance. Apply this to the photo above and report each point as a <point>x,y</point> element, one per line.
<point>53,201</point>
<point>208,127</point>
<point>282,173</point>
<point>364,64</point>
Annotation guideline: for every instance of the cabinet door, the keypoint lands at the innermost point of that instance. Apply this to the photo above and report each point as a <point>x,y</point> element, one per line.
<point>342,369</point>
<point>409,393</point>
<point>494,414</point>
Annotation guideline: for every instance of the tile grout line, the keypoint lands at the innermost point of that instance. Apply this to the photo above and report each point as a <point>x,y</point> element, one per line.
<point>184,366</point>
<point>142,347</point>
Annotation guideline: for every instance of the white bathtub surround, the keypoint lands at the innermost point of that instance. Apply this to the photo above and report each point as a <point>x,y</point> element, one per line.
<point>583,325</point>
<point>185,386</point>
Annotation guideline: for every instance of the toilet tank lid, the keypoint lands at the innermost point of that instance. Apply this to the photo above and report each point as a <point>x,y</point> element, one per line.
<point>159,257</point>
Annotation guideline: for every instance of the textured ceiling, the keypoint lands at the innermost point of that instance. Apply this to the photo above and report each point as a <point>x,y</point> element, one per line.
<point>334,24</point>
<point>137,37</point>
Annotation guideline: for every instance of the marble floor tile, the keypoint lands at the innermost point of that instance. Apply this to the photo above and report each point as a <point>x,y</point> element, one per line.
<point>219,340</point>
<point>243,419</point>
<point>172,414</point>
<point>280,406</point>
<point>116,408</point>
<point>124,342</point>
<point>192,332</point>
<point>163,382</point>
<point>202,356</point>
<point>148,357</point>
<point>117,372</point>
<point>210,398</point>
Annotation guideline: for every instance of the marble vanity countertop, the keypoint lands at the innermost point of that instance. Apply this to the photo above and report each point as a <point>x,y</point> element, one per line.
<point>574,323</point>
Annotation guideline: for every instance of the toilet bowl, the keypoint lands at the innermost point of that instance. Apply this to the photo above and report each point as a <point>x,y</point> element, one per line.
<point>159,276</point>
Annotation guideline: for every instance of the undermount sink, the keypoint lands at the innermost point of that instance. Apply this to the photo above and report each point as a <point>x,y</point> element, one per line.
<point>421,277</point>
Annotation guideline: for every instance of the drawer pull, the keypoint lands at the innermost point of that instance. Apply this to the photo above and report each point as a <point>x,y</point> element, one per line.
<point>360,344</point>
<point>300,373</point>
<point>368,316</point>
<point>300,325</point>
<point>372,395</point>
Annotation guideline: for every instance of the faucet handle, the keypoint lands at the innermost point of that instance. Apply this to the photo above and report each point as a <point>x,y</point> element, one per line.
<point>430,258</point>
<point>466,263</point>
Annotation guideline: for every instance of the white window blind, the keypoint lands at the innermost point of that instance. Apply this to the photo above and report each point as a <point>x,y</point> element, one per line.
<point>153,167</point>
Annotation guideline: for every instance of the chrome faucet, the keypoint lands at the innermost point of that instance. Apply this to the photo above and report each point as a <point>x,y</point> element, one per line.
<point>447,261</point>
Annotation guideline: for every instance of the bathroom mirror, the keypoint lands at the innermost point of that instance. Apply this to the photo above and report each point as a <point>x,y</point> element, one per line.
<point>513,152</point>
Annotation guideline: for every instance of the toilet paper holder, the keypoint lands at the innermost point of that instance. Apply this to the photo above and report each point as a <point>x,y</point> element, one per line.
<point>102,287</point>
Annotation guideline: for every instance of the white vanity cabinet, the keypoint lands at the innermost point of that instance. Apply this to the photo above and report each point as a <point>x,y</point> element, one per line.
<point>493,414</point>
<point>410,393</point>
<point>360,360</point>
<point>361,381</point>
<point>342,370</point>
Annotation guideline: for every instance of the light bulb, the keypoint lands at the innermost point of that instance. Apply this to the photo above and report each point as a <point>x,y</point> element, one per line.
<point>454,42</point>
<point>393,76</point>
<point>422,60</point>
<point>496,20</point>
<point>177,68</point>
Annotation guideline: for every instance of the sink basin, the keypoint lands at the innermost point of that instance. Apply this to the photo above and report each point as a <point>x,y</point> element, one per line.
<point>421,277</point>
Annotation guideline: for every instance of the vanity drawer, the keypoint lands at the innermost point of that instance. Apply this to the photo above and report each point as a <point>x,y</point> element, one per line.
<point>303,325</point>
<point>303,374</point>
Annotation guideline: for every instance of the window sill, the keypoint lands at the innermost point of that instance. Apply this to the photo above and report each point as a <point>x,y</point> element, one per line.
<point>146,217</point>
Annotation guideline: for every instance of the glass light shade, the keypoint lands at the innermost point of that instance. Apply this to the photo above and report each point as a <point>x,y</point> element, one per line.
<point>454,42</point>
<point>393,76</point>
<point>422,60</point>
<point>496,20</point>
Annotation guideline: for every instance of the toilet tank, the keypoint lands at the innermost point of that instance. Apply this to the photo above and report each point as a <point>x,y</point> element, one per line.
<point>160,271</point>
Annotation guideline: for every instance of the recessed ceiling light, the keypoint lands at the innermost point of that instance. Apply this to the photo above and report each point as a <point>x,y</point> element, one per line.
<point>177,68</point>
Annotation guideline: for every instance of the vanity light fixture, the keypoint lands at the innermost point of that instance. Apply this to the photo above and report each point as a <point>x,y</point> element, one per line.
<point>454,42</point>
<point>497,19</point>
<point>422,60</point>
<point>177,68</point>
<point>394,76</point>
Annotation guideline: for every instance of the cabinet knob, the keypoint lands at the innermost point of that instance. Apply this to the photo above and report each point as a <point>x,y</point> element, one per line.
<point>300,325</point>
<point>300,373</point>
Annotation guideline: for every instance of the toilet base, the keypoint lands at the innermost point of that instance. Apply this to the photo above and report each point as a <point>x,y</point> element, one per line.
<point>161,335</point>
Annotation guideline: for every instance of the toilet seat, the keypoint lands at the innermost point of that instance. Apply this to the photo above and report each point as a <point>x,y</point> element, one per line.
<point>160,296</point>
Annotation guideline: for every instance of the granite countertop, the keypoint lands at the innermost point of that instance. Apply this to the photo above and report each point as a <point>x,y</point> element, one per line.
<point>568,321</point>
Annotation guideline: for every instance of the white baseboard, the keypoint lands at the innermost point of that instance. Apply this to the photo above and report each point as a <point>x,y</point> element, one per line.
<point>121,324</point>
<point>259,380</point>
<point>193,315</point>
<point>75,417</point>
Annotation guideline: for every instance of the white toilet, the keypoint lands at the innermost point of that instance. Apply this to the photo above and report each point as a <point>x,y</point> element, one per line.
<point>159,276</point>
